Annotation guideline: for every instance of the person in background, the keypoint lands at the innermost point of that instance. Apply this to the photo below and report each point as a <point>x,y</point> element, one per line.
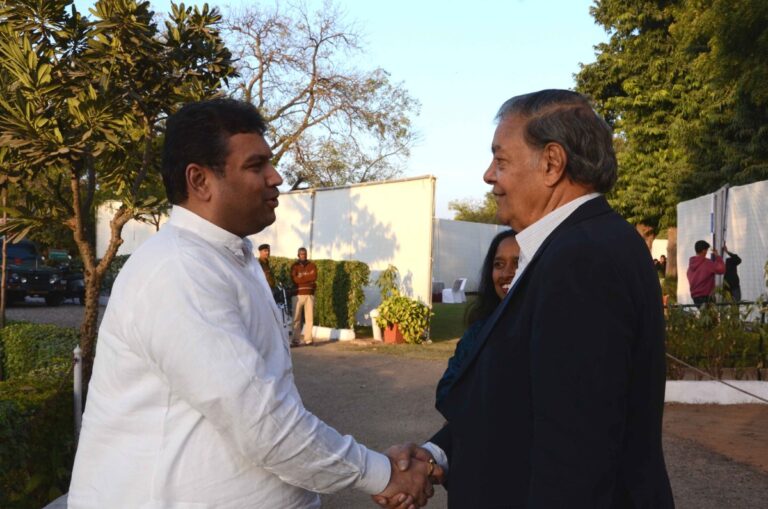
<point>661,266</point>
<point>496,276</point>
<point>732,283</point>
<point>701,273</point>
<point>264,262</point>
<point>304,276</point>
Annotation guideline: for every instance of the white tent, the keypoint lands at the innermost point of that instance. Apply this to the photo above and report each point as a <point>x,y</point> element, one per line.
<point>735,216</point>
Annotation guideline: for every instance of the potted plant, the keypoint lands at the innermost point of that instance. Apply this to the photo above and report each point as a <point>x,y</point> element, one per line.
<point>403,319</point>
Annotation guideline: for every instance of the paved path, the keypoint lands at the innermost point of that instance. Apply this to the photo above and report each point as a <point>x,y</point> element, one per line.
<point>381,400</point>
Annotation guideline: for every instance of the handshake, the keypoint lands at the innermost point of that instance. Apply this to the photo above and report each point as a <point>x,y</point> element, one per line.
<point>414,472</point>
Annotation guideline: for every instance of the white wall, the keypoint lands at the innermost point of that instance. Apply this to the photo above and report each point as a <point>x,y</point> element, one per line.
<point>745,233</point>
<point>378,223</point>
<point>133,234</point>
<point>460,248</point>
<point>658,248</point>
<point>291,229</point>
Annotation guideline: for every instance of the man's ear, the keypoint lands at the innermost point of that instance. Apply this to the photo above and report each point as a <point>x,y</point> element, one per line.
<point>199,182</point>
<point>556,159</point>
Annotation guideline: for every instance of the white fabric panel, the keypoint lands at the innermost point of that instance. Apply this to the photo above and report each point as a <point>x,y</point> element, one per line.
<point>380,224</point>
<point>658,248</point>
<point>134,232</point>
<point>459,250</point>
<point>291,230</point>
<point>747,235</point>
<point>694,222</point>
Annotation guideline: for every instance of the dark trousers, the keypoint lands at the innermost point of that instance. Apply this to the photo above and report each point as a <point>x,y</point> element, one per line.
<point>705,299</point>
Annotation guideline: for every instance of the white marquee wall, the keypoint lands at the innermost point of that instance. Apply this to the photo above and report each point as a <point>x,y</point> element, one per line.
<point>745,233</point>
<point>460,248</point>
<point>379,223</point>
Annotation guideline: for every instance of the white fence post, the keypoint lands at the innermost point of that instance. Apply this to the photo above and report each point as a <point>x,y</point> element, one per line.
<point>78,389</point>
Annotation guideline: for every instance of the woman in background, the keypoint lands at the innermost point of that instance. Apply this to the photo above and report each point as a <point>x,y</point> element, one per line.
<point>496,275</point>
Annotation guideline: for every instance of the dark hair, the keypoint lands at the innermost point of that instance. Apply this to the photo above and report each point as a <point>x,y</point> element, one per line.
<point>302,249</point>
<point>199,133</point>
<point>263,246</point>
<point>487,300</point>
<point>701,245</point>
<point>567,118</point>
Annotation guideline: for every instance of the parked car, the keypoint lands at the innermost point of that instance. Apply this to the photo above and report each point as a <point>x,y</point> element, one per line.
<point>28,276</point>
<point>71,272</point>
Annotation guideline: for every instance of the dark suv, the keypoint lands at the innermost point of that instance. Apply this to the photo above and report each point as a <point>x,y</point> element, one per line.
<point>27,275</point>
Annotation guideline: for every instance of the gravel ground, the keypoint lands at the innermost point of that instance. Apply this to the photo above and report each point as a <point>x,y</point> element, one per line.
<point>69,314</point>
<point>382,400</point>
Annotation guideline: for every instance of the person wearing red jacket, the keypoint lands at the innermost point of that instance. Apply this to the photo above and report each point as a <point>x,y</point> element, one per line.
<point>701,273</point>
<point>304,276</point>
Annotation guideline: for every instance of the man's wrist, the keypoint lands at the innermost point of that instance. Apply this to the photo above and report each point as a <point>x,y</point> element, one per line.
<point>440,457</point>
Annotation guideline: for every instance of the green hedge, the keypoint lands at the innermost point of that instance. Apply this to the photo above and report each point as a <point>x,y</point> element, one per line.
<point>339,291</point>
<point>37,443</point>
<point>716,338</point>
<point>25,347</point>
<point>339,287</point>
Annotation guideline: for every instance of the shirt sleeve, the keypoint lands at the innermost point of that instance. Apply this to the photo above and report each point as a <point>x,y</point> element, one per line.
<point>195,338</point>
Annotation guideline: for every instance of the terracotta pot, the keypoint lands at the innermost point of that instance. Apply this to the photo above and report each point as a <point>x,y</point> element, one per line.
<point>392,335</point>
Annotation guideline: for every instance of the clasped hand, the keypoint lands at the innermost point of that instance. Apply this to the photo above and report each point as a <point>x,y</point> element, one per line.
<point>414,472</point>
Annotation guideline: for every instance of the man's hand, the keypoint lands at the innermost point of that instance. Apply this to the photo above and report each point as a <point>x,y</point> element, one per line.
<point>416,467</point>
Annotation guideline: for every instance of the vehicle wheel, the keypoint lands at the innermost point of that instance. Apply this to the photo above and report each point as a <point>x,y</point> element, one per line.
<point>81,299</point>
<point>54,300</point>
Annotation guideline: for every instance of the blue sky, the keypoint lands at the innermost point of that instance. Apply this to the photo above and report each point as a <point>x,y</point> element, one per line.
<point>462,60</point>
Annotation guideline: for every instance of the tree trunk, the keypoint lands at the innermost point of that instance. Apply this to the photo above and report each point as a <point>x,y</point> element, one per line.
<point>672,252</point>
<point>648,234</point>
<point>89,327</point>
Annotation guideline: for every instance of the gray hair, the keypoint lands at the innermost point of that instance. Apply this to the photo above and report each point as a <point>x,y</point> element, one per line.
<point>567,118</point>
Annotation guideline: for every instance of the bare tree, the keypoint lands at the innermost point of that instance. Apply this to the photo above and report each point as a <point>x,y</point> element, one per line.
<point>330,122</point>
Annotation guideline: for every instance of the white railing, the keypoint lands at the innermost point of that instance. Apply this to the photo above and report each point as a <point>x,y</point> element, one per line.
<point>78,389</point>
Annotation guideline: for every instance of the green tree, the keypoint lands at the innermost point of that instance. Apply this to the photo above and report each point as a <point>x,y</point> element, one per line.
<point>82,103</point>
<point>726,122</point>
<point>330,123</point>
<point>475,211</point>
<point>637,85</point>
<point>685,86</point>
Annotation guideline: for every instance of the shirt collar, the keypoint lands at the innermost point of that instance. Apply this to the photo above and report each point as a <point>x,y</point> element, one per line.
<point>531,238</point>
<point>185,219</point>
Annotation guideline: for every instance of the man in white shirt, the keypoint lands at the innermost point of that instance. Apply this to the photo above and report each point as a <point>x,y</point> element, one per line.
<point>560,403</point>
<point>192,403</point>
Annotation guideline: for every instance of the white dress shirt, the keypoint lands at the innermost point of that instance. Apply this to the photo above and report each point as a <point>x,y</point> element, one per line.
<point>192,403</point>
<point>530,240</point>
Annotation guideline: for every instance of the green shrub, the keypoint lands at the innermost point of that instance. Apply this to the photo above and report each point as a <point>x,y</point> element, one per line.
<point>36,416</point>
<point>339,292</point>
<point>410,315</point>
<point>712,339</point>
<point>26,346</point>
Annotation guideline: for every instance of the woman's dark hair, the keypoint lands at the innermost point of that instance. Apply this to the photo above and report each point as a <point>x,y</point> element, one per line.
<point>487,300</point>
<point>199,133</point>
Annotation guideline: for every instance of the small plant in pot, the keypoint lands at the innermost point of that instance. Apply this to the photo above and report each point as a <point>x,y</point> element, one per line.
<point>403,315</point>
<point>402,319</point>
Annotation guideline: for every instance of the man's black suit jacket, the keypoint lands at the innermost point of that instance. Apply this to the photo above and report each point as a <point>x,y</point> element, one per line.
<point>560,404</point>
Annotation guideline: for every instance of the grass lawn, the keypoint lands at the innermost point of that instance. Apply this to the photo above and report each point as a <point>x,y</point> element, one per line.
<point>447,328</point>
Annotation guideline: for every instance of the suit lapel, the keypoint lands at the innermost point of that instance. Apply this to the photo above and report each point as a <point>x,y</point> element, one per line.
<point>592,208</point>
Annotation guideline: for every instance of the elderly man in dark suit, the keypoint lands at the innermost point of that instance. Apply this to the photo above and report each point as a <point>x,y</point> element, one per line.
<point>560,403</point>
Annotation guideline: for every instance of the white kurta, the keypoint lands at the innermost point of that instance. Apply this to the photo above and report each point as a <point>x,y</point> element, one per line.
<point>192,403</point>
